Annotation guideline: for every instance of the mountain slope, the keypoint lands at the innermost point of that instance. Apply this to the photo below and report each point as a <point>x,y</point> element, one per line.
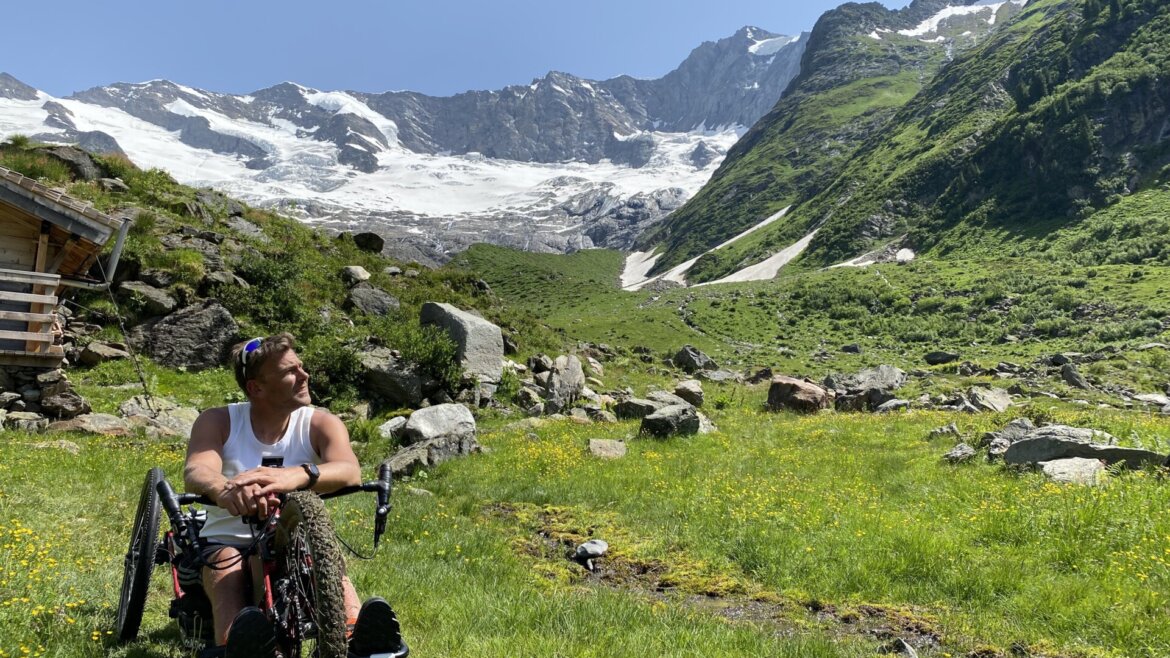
<point>861,65</point>
<point>1055,114</point>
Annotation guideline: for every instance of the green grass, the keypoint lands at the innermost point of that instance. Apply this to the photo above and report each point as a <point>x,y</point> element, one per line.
<point>778,535</point>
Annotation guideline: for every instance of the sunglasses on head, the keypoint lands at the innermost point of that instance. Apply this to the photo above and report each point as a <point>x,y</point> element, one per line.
<point>250,347</point>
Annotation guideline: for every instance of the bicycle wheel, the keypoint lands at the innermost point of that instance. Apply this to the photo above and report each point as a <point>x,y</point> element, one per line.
<point>312,564</point>
<point>139,559</point>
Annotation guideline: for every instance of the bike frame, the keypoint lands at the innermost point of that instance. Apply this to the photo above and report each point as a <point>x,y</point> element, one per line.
<point>183,539</point>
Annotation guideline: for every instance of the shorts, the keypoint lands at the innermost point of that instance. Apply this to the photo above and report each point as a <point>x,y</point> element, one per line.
<point>191,571</point>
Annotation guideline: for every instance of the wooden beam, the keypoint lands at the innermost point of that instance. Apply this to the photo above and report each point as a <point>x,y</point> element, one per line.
<point>21,316</point>
<point>60,258</point>
<point>6,296</point>
<point>24,359</point>
<point>20,276</point>
<point>39,288</point>
<point>38,338</point>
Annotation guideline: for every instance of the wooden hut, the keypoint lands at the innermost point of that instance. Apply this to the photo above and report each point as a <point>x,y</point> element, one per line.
<point>48,240</point>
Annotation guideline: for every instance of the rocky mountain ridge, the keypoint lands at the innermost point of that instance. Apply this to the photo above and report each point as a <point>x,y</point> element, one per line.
<point>561,164</point>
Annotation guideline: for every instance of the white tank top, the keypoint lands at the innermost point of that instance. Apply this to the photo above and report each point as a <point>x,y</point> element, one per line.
<point>243,451</point>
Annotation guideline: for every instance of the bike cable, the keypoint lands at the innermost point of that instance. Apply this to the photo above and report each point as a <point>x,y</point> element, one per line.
<point>352,551</point>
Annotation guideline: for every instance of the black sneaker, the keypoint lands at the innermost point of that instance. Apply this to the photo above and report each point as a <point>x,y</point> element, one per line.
<point>251,635</point>
<point>376,633</point>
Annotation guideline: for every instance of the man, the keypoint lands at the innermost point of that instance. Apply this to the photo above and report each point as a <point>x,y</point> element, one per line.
<point>242,456</point>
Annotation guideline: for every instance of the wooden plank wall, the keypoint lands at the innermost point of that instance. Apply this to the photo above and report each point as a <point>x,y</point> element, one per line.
<point>18,251</point>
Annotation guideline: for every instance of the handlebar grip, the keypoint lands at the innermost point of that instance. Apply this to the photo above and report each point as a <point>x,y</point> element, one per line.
<point>383,510</point>
<point>170,501</point>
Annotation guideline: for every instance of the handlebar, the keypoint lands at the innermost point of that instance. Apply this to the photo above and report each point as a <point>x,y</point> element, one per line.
<point>172,502</point>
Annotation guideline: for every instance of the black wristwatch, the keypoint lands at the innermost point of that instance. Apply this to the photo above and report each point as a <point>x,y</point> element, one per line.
<point>314,475</point>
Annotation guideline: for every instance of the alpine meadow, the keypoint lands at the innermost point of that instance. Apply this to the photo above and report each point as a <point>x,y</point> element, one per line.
<point>877,366</point>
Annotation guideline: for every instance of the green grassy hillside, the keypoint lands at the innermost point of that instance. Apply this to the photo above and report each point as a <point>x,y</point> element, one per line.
<point>1037,127</point>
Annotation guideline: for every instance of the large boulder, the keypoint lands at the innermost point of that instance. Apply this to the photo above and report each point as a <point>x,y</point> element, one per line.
<point>797,395</point>
<point>97,352</point>
<point>989,399</point>
<point>480,343</point>
<point>432,436</point>
<point>196,337</point>
<point>671,420</point>
<point>450,422</point>
<point>691,390</point>
<point>1075,470</point>
<point>691,360</point>
<point>152,300</point>
<point>369,242</point>
<point>634,408</point>
<point>1053,442</point>
<point>564,384</point>
<point>101,424</point>
<point>1073,377</point>
<point>866,390</point>
<point>160,417</point>
<point>371,301</point>
<point>939,357</point>
<point>393,380</point>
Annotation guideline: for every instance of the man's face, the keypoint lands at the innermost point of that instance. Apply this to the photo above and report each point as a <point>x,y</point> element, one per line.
<point>284,382</point>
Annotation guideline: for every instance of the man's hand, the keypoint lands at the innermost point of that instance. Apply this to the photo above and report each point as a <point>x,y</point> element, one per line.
<point>272,480</point>
<point>246,500</point>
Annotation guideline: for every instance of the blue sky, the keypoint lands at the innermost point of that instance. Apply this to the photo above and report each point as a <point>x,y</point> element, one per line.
<point>437,47</point>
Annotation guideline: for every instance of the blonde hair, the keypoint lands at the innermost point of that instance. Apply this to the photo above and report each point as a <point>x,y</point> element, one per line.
<point>247,364</point>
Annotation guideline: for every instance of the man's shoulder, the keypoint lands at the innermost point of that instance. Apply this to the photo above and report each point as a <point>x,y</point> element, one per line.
<point>215,417</point>
<point>324,423</point>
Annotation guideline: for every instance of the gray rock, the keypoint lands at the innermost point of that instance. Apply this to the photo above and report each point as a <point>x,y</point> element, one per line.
<point>993,399</point>
<point>151,299</point>
<point>599,415</point>
<point>411,274</point>
<point>161,417</point>
<point>196,337</point>
<point>1154,399</point>
<point>68,446</point>
<point>665,399</point>
<point>427,454</point>
<point>448,422</point>
<point>1075,470</point>
<point>371,301</point>
<point>1072,377</point>
<point>960,454</point>
<point>591,550</point>
<point>6,382</point>
<point>607,449</point>
<point>634,408</point>
<point>949,429</point>
<point>100,424</point>
<point>719,376</point>
<point>354,274</point>
<point>539,363</point>
<point>851,348</point>
<point>246,228</point>
<point>392,428</point>
<point>938,358</point>
<point>393,380</point>
<point>1014,431</point>
<point>1053,442</point>
<point>565,383</point>
<point>893,405</point>
<point>671,420</point>
<point>63,402</point>
<point>691,360</point>
<point>7,398</point>
<point>393,271</point>
<point>369,242</point>
<point>797,395</point>
<point>691,391</point>
<point>96,353</point>
<point>479,343</point>
<point>25,421</point>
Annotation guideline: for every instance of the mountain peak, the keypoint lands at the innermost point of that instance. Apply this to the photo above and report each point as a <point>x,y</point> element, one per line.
<point>12,88</point>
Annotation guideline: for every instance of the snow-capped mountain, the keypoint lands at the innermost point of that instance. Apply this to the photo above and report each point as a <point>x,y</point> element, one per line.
<point>559,164</point>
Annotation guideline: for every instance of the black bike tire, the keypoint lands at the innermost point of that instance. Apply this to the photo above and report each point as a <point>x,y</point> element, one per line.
<point>305,526</point>
<point>139,560</point>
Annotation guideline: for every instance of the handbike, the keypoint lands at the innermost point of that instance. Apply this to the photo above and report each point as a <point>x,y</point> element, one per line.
<point>299,585</point>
